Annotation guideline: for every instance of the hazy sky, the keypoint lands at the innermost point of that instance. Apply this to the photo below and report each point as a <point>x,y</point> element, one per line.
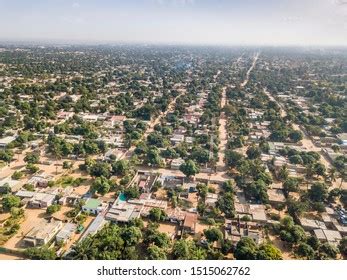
<point>269,22</point>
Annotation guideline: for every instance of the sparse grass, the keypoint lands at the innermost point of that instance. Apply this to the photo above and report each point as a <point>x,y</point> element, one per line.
<point>11,226</point>
<point>65,181</point>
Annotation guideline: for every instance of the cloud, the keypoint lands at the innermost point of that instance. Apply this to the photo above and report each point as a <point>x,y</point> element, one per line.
<point>76,5</point>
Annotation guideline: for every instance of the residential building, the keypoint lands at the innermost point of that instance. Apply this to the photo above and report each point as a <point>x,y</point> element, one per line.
<point>94,206</point>
<point>42,233</point>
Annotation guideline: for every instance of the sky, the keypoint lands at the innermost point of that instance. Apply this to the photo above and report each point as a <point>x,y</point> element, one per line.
<point>216,22</point>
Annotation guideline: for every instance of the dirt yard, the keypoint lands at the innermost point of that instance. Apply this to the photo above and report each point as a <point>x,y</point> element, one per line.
<point>32,218</point>
<point>9,257</point>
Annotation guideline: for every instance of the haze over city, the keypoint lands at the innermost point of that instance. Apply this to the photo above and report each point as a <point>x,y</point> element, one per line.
<point>235,22</point>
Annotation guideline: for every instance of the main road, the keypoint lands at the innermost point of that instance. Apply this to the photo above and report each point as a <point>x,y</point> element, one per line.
<point>223,133</point>
<point>245,82</point>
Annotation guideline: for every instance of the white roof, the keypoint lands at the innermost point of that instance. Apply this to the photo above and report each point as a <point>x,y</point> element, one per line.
<point>7,140</point>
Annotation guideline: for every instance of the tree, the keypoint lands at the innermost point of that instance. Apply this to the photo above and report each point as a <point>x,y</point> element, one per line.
<point>31,168</point>
<point>187,250</point>
<point>131,235</point>
<point>53,208</point>
<point>169,153</point>
<point>343,177</point>
<point>296,207</point>
<point>153,157</point>
<point>132,192</point>
<point>264,146</point>
<point>189,168</point>
<point>213,234</point>
<point>290,232</point>
<point>283,173</point>
<point>296,159</point>
<point>40,253</point>
<point>67,148</point>
<point>10,201</point>
<point>332,174</point>
<point>327,251</point>
<point>202,190</point>
<point>267,251</point>
<point>157,214</point>
<point>201,208</point>
<point>279,135</point>
<point>106,244</point>
<point>153,236</point>
<point>6,155</point>
<point>246,249</point>
<point>291,184</point>
<point>257,190</point>
<point>295,135</point>
<point>32,158</point>
<point>120,167</point>
<point>155,139</point>
<point>319,169</point>
<point>225,204</point>
<point>233,158</point>
<point>253,152</point>
<point>99,169</point>
<point>181,250</point>
<point>305,251</point>
<point>101,185</point>
<point>313,241</point>
<point>67,165</point>
<point>200,155</point>
<point>90,147</point>
<point>343,197</point>
<point>156,253</point>
<point>287,222</point>
<point>228,186</point>
<point>318,192</point>
<point>6,188</point>
<point>236,142</point>
<point>298,233</point>
<point>343,246</point>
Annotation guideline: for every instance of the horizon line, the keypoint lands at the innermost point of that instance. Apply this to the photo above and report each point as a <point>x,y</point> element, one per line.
<point>50,42</point>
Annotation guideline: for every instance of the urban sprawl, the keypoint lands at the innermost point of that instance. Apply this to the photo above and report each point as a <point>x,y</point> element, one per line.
<point>172,152</point>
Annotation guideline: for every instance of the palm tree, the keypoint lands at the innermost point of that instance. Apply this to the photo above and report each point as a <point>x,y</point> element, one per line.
<point>332,174</point>
<point>283,173</point>
<point>56,152</point>
<point>309,173</point>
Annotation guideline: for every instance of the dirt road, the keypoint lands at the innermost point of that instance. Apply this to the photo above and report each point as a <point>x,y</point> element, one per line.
<point>245,82</point>
<point>222,133</point>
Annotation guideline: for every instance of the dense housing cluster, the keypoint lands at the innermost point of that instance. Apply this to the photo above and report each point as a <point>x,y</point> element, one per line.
<point>148,152</point>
